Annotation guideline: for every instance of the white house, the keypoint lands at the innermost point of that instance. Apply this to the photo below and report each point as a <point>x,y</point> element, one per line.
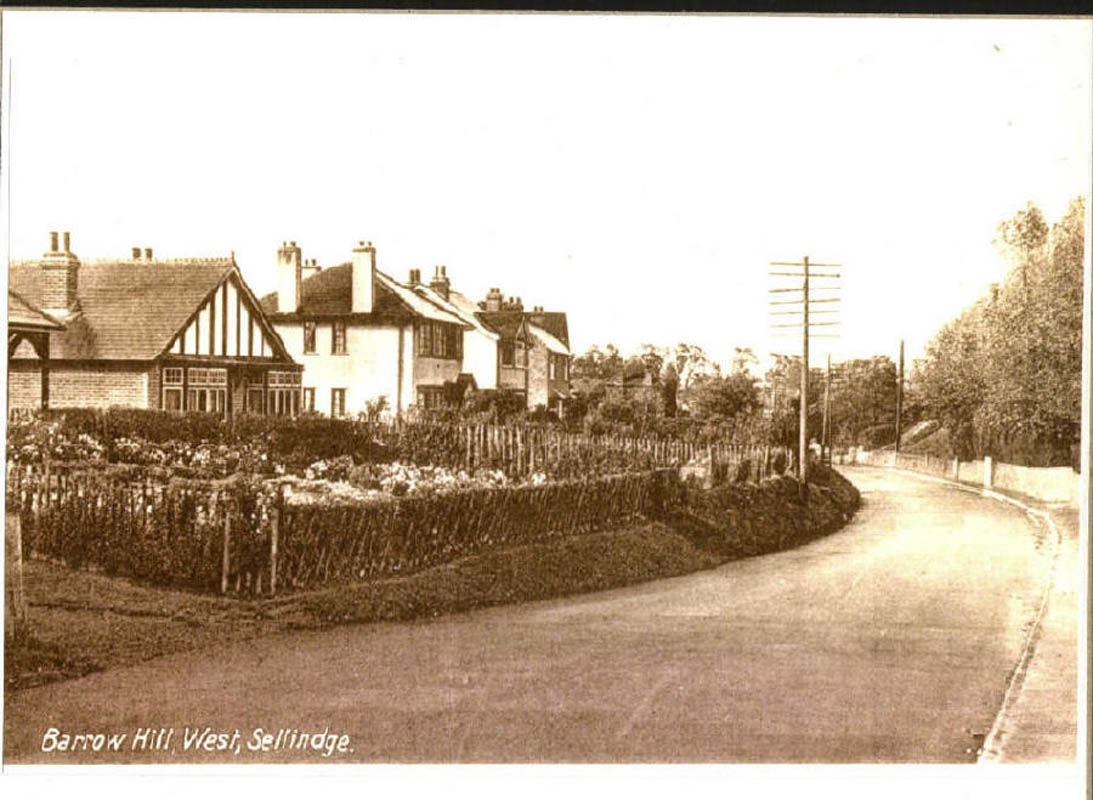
<point>361,335</point>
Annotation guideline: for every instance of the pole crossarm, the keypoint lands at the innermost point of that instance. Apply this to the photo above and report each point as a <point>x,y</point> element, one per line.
<point>799,264</point>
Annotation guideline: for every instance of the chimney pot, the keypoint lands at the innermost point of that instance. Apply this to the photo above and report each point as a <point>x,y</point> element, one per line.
<point>53,241</point>
<point>292,244</point>
<point>147,253</point>
<point>136,254</point>
<point>68,242</point>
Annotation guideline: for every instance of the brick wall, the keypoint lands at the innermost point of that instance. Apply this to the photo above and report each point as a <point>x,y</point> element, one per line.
<point>24,385</point>
<point>155,398</point>
<point>98,387</point>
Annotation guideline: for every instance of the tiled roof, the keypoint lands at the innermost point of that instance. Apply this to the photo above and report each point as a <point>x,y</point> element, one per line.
<point>330,291</point>
<point>457,305</point>
<point>22,314</point>
<point>509,324</point>
<point>421,306</point>
<point>552,343</point>
<point>554,323</point>
<point>126,309</point>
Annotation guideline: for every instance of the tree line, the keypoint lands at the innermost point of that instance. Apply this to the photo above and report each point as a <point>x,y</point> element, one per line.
<point>1004,377</point>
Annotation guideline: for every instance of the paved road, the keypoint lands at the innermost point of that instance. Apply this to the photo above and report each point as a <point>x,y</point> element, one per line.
<point>891,640</point>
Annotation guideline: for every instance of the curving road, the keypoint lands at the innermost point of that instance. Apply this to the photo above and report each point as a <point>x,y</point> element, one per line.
<point>891,640</point>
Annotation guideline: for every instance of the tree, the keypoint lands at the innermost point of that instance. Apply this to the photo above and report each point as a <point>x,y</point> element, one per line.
<point>669,388</point>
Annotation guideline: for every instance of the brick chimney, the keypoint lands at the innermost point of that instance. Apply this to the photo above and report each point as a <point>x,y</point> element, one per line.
<point>494,300</point>
<point>289,266</point>
<point>440,283</point>
<point>537,317</point>
<point>415,277</point>
<point>60,277</point>
<point>364,274</point>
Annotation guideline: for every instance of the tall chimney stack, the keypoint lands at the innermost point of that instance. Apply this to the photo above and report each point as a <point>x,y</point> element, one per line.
<point>60,277</point>
<point>363,277</point>
<point>440,283</point>
<point>289,278</point>
<point>494,300</point>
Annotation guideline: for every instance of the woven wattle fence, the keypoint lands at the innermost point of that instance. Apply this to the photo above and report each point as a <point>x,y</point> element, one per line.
<point>354,542</point>
<point>234,538</point>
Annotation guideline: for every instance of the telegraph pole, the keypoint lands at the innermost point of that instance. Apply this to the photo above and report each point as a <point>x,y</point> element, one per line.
<point>803,299</point>
<point>899,399</point>
<point>825,447</point>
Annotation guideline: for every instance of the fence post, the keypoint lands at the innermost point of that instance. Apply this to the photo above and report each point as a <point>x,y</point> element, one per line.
<point>15,601</point>
<point>274,534</point>
<point>225,566</point>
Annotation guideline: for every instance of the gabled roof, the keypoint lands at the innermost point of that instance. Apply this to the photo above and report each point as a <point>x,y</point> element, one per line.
<point>459,306</point>
<point>126,310</point>
<point>330,292</point>
<point>554,323</point>
<point>24,315</point>
<point>551,342</point>
<point>509,324</point>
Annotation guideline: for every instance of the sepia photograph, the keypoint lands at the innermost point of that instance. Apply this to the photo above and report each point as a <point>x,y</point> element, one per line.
<point>412,389</point>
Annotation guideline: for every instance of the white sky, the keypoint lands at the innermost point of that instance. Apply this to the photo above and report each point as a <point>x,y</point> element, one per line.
<point>636,172</point>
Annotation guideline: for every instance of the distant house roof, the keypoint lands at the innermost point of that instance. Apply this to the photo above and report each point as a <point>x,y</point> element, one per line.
<point>330,292</point>
<point>23,315</point>
<point>554,323</point>
<point>126,310</point>
<point>509,324</point>
<point>551,342</point>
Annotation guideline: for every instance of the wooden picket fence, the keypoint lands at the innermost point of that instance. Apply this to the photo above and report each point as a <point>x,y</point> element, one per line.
<point>519,451</point>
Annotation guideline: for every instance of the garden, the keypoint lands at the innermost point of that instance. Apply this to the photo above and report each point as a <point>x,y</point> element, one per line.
<point>258,505</point>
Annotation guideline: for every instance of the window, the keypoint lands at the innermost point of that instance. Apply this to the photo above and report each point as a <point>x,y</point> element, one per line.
<point>309,337</point>
<point>309,398</point>
<point>337,335</point>
<point>337,402</point>
<point>439,340</point>
<point>430,397</point>
<point>283,395</point>
<point>508,353</point>
<point>553,367</point>
<point>172,398</point>
<point>172,388</point>
<point>207,389</point>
